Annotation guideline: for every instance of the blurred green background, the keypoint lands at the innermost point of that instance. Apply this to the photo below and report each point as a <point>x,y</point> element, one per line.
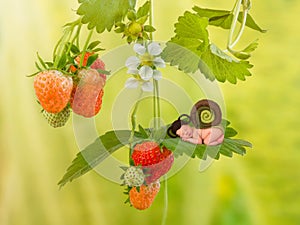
<point>263,187</point>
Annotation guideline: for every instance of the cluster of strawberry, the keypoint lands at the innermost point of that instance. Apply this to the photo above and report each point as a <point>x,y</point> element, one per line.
<point>81,89</point>
<point>151,162</point>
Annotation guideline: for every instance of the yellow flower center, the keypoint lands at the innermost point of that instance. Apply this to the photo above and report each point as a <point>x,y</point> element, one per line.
<point>147,60</point>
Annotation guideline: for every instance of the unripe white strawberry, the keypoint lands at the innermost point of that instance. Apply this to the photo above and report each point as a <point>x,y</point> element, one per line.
<point>134,177</point>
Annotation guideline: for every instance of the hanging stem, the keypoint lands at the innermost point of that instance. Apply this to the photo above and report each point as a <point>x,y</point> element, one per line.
<point>133,124</point>
<point>156,100</point>
<point>236,10</point>
<point>246,6</point>
<point>165,213</point>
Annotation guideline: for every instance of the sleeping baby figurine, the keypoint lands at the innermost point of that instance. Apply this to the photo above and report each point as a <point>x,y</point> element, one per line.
<point>208,136</point>
<point>202,126</point>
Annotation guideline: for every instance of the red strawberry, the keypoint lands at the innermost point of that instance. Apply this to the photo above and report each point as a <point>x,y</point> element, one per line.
<point>143,198</point>
<point>97,64</point>
<point>154,161</point>
<point>86,98</point>
<point>53,90</point>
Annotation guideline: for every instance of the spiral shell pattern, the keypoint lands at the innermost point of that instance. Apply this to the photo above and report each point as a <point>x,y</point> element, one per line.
<point>206,113</point>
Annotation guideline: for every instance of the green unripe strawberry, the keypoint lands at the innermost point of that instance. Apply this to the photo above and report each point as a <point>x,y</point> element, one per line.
<point>57,119</point>
<point>135,28</point>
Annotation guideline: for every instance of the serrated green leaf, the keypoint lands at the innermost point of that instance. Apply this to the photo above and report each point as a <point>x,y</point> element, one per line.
<point>191,40</point>
<point>149,28</point>
<point>103,14</point>
<point>91,60</point>
<point>143,10</point>
<point>184,53</point>
<point>215,66</point>
<point>192,26</point>
<point>250,23</point>
<point>222,21</point>
<point>95,153</point>
<point>223,18</point>
<point>219,18</point>
<point>93,45</point>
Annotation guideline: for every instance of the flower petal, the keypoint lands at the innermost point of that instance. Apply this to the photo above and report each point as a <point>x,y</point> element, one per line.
<point>147,86</point>
<point>131,83</point>
<point>157,75</point>
<point>159,62</point>
<point>146,73</point>
<point>132,62</point>
<point>133,71</point>
<point>140,49</point>
<point>154,48</point>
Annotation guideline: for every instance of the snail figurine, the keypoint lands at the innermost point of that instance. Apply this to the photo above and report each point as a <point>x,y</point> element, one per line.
<point>206,118</point>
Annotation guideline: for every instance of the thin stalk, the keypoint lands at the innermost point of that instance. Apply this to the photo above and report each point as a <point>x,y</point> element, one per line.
<point>154,92</point>
<point>235,11</point>
<point>133,116</point>
<point>85,47</point>
<point>242,28</point>
<point>60,47</point>
<point>156,88</point>
<point>165,212</point>
<point>133,123</point>
<point>151,18</point>
<point>156,100</point>
<point>78,35</point>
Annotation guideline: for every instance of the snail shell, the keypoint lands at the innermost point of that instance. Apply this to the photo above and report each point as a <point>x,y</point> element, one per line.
<point>206,113</point>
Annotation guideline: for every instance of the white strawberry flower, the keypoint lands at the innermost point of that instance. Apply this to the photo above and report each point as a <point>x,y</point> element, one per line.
<point>144,66</point>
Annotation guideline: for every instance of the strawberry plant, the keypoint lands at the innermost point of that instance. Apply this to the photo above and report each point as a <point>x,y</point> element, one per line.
<point>75,80</point>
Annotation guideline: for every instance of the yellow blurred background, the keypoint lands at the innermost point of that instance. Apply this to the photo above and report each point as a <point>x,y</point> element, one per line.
<point>263,187</point>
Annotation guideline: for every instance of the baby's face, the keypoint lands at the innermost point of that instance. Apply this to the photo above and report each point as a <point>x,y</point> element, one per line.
<point>185,131</point>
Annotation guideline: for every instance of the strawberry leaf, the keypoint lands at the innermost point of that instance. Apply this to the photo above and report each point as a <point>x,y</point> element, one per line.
<point>191,40</point>
<point>215,64</point>
<point>223,18</point>
<point>95,153</point>
<point>103,14</point>
<point>190,50</point>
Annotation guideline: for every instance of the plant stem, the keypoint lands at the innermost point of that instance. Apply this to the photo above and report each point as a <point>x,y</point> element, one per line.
<point>243,25</point>
<point>156,89</point>
<point>165,213</point>
<point>133,124</point>
<point>156,100</point>
<point>85,47</point>
<point>235,11</point>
